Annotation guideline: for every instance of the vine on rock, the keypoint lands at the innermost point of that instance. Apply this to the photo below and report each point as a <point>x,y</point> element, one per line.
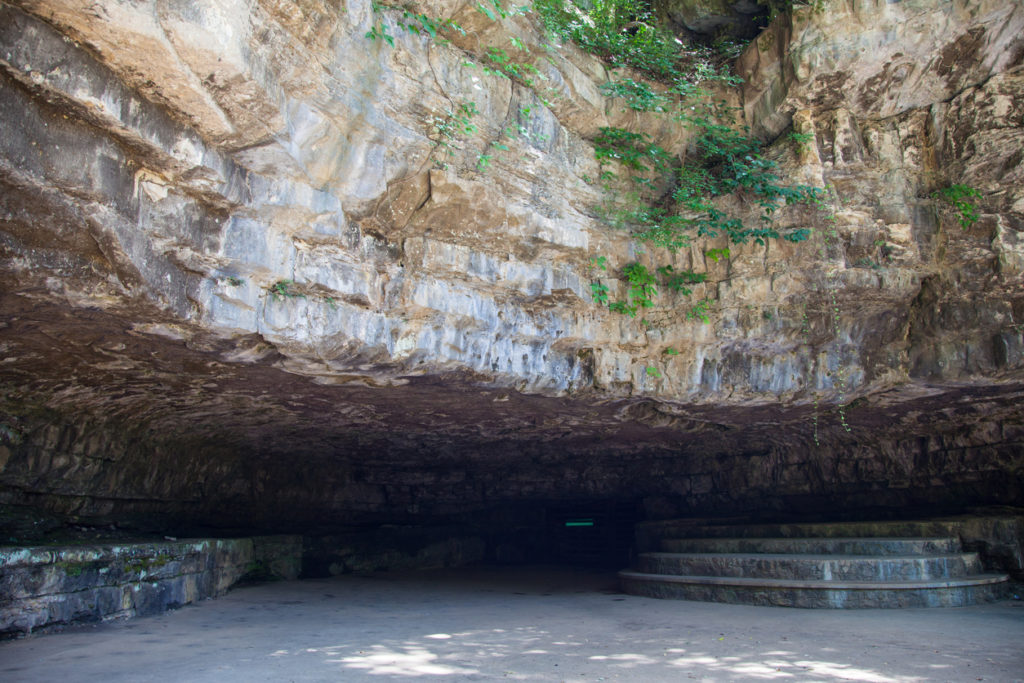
<point>670,204</point>
<point>829,243</point>
<point>661,201</point>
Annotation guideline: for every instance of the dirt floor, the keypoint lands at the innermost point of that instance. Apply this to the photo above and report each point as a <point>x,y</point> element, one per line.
<point>537,624</point>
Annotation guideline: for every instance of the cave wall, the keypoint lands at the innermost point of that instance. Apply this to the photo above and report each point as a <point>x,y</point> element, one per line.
<point>103,474</point>
<point>246,285</point>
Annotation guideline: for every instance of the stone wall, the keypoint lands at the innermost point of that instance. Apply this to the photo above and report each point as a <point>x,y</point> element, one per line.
<point>47,587</point>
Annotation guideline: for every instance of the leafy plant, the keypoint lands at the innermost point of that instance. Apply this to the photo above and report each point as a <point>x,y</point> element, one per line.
<point>802,140</point>
<point>717,254</point>
<point>452,128</point>
<point>495,11</point>
<point>678,282</point>
<point>380,31</point>
<point>639,96</point>
<point>653,372</point>
<point>632,150</point>
<point>623,307</point>
<point>962,198</point>
<point>699,311</point>
<point>285,289</point>
<point>599,293</point>
<point>730,161</point>
<point>642,284</point>
<point>670,351</point>
<point>421,23</point>
<point>728,48</point>
<point>865,262</point>
<point>624,34</point>
<point>500,64</point>
<point>417,24</point>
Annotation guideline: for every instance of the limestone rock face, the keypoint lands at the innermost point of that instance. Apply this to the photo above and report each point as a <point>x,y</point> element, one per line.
<point>877,59</point>
<point>257,265</point>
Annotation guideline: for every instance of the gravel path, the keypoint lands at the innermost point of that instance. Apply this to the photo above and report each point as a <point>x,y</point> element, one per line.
<point>536,624</point>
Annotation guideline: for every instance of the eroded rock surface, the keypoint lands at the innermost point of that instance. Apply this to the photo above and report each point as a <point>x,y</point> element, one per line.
<point>249,279</point>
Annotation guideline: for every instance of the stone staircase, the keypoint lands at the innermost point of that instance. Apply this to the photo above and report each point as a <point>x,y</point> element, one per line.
<point>814,566</point>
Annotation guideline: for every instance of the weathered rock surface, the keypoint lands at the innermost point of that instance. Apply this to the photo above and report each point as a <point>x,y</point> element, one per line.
<point>246,280</point>
<point>736,18</point>
<point>877,60</point>
<point>47,587</point>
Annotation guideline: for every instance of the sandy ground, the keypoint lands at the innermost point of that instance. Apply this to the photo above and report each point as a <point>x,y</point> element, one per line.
<point>537,624</point>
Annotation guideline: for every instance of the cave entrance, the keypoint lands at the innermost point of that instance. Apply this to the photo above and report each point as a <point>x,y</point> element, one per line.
<point>591,533</point>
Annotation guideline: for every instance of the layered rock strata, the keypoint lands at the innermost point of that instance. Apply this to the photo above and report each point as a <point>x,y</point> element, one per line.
<point>249,274</point>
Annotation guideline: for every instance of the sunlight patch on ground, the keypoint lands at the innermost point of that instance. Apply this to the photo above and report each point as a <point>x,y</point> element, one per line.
<point>624,659</point>
<point>849,673</point>
<point>456,653</point>
<point>777,668</point>
<point>414,661</point>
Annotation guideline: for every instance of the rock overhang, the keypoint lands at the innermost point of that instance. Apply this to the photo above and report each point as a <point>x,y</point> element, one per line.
<point>269,329</point>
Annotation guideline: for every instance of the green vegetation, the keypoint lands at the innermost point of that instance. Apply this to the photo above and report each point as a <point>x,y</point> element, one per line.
<point>963,199</point>
<point>624,34</point>
<point>73,569</point>
<point>699,311</point>
<point>502,65</point>
<point>144,564</point>
<point>727,159</point>
<point>417,24</point>
<point>829,246</point>
<point>678,282</point>
<point>450,130</point>
<point>649,193</point>
<point>638,96</point>
<point>801,140</point>
<point>642,289</point>
<point>635,151</point>
<point>285,289</point>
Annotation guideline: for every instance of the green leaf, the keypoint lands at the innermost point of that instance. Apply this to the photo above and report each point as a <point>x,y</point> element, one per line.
<point>480,7</point>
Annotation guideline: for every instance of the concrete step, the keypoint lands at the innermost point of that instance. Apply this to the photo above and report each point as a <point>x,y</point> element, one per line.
<point>813,566</point>
<point>960,592</point>
<point>824,546</point>
<point>650,534</point>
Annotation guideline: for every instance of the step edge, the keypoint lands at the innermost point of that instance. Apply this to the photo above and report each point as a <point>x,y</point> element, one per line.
<point>754,539</point>
<point>812,556</point>
<point>744,582</point>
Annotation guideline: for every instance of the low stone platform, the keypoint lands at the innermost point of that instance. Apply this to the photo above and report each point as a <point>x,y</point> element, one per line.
<point>814,571</point>
<point>42,587</point>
